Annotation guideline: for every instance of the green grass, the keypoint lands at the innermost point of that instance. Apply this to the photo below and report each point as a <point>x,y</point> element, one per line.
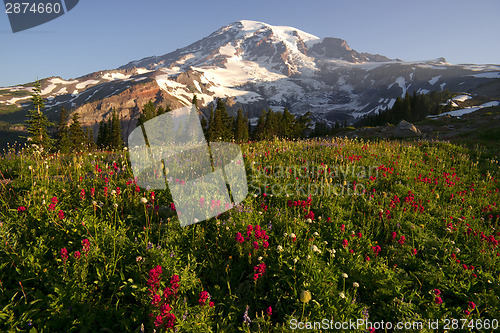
<point>441,197</point>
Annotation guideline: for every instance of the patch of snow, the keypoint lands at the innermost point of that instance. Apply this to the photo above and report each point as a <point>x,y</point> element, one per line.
<point>476,67</point>
<point>140,71</point>
<point>62,91</point>
<point>92,94</point>
<point>82,85</point>
<point>171,71</point>
<point>442,85</point>
<point>488,75</point>
<point>461,112</point>
<point>423,91</point>
<point>462,98</point>
<point>402,84</point>
<point>57,80</point>
<point>114,76</point>
<point>434,80</point>
<point>15,99</point>
<point>197,85</point>
<point>48,89</point>
<point>140,79</point>
<point>227,50</point>
<point>391,103</point>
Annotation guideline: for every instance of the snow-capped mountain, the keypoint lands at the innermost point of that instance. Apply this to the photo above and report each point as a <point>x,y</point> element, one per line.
<point>255,65</point>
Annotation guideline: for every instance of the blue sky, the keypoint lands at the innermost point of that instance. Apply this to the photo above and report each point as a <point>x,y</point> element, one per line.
<point>105,34</point>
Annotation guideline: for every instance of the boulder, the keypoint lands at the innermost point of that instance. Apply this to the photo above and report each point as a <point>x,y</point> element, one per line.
<point>406,130</point>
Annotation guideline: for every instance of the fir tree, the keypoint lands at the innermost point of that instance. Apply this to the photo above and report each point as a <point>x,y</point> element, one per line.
<point>160,111</point>
<point>38,123</point>
<point>286,123</point>
<point>61,135</point>
<point>115,136</point>
<point>102,135</point>
<point>240,128</point>
<point>258,132</point>
<point>220,128</point>
<point>77,137</point>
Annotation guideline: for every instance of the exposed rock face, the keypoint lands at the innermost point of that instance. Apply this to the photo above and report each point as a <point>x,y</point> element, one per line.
<point>406,130</point>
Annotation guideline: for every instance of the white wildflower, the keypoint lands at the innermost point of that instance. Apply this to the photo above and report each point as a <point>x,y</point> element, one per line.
<point>345,276</point>
<point>144,200</point>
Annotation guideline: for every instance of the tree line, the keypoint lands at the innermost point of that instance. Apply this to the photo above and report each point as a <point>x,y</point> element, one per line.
<point>411,108</point>
<point>68,135</point>
<point>271,124</point>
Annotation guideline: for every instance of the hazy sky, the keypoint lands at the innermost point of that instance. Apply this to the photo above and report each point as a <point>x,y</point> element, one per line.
<point>105,34</point>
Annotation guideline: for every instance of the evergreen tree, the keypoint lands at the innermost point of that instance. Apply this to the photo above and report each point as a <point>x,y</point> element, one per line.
<point>102,135</point>
<point>195,101</point>
<point>77,137</point>
<point>160,111</point>
<point>210,129</point>
<point>204,125</point>
<point>286,123</point>
<point>115,134</point>
<point>90,138</point>
<point>301,125</point>
<point>271,125</point>
<point>221,126</point>
<point>38,123</point>
<point>61,135</point>
<point>240,127</point>
<point>258,132</point>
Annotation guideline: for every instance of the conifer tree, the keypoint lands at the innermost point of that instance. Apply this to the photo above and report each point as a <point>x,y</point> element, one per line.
<point>102,135</point>
<point>160,111</point>
<point>240,127</point>
<point>286,123</point>
<point>115,137</point>
<point>90,138</point>
<point>258,132</point>
<point>210,129</point>
<point>77,137</point>
<point>38,123</point>
<point>61,135</point>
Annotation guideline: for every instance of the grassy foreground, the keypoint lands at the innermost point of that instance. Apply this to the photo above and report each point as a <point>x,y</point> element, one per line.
<point>331,231</point>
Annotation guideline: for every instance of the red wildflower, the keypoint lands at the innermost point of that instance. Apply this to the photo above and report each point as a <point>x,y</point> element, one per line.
<point>239,238</point>
<point>61,214</point>
<point>269,311</point>
<point>64,254</point>
<point>86,245</point>
<point>21,209</point>
<point>345,243</point>
<point>77,254</point>
<point>204,295</point>
<point>438,300</point>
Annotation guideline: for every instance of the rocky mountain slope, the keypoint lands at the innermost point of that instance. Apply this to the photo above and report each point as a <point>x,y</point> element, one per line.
<point>253,65</point>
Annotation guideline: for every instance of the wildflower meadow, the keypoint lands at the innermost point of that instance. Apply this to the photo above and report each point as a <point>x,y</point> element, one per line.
<point>331,231</point>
